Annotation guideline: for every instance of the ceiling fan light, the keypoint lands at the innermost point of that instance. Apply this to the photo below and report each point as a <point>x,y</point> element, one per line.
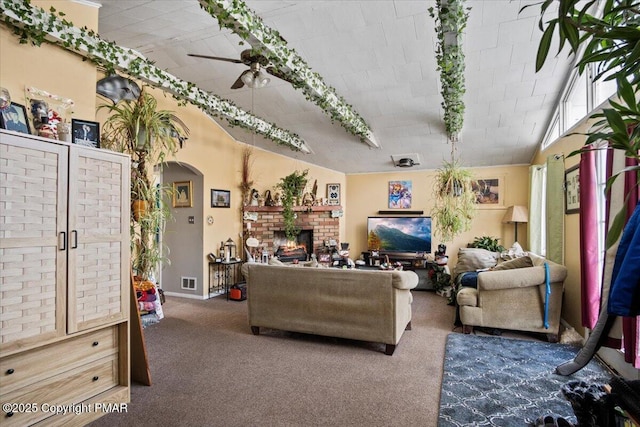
<point>247,78</point>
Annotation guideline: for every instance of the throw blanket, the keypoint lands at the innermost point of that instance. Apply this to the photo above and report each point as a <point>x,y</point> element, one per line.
<point>624,295</point>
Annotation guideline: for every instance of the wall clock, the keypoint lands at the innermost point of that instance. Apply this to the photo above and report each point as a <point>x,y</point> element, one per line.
<point>333,194</point>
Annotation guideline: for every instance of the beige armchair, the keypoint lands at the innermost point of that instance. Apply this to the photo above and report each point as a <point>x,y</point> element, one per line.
<point>514,299</point>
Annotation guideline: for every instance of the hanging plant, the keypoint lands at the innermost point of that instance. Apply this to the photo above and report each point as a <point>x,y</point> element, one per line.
<point>292,187</point>
<point>451,19</point>
<point>455,202</point>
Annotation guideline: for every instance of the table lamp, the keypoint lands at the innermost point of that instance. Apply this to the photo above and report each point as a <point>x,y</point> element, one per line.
<point>516,214</point>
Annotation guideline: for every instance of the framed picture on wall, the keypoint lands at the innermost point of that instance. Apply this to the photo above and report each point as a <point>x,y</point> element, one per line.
<point>400,194</point>
<point>220,198</point>
<point>182,194</point>
<point>333,194</point>
<point>572,190</point>
<point>489,192</point>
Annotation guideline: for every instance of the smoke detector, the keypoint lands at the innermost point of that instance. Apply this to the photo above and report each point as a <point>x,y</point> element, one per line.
<point>405,160</point>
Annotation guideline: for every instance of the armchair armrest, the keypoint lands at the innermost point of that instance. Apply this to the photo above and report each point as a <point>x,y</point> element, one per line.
<point>520,277</point>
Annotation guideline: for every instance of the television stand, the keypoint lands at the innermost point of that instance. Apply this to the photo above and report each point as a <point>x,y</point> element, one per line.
<point>409,261</point>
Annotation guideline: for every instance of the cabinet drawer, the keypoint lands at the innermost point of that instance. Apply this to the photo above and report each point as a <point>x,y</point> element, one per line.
<point>69,388</point>
<point>31,366</point>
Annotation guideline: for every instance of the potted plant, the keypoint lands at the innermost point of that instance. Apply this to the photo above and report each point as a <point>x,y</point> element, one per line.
<point>454,201</point>
<point>488,243</point>
<point>148,135</point>
<point>292,187</point>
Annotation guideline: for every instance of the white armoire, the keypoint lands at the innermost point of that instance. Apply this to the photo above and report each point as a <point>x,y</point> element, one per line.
<point>64,280</point>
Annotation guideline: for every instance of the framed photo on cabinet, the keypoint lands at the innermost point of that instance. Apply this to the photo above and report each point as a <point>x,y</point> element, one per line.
<point>15,118</point>
<point>85,133</point>
<point>333,194</point>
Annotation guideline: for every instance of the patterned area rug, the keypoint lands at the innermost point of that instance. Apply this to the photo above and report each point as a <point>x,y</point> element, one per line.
<point>494,381</point>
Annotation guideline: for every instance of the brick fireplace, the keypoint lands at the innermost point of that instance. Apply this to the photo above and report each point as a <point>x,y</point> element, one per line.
<point>268,227</point>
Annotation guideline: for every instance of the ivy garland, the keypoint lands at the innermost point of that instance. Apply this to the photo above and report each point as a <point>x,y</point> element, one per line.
<point>451,19</point>
<point>34,25</point>
<point>236,16</point>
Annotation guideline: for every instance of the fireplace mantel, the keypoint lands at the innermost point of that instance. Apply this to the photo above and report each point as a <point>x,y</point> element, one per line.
<point>269,220</point>
<point>323,208</point>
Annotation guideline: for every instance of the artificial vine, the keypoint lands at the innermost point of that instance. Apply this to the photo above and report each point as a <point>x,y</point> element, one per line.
<point>34,25</point>
<point>451,19</point>
<point>236,16</point>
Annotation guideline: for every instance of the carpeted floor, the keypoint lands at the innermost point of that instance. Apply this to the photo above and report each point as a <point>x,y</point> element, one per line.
<point>207,369</point>
<point>495,381</point>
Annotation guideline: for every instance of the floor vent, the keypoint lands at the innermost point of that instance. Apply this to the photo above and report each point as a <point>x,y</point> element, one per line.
<point>189,283</point>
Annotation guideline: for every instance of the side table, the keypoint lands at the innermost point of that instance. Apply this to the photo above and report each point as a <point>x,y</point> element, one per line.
<point>227,275</point>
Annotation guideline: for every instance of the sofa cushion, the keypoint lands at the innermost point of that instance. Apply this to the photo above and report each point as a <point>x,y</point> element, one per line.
<point>521,262</point>
<point>473,259</point>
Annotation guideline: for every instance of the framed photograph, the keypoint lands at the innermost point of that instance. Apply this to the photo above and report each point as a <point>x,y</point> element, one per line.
<point>85,133</point>
<point>489,192</point>
<point>399,194</point>
<point>572,190</point>
<point>182,194</point>
<point>220,198</point>
<point>333,194</point>
<point>324,258</point>
<point>15,118</point>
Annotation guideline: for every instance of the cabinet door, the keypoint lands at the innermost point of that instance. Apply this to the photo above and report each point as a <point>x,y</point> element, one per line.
<point>33,215</point>
<point>99,281</point>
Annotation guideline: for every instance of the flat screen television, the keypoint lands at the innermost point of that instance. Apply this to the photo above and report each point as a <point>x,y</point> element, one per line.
<point>397,234</point>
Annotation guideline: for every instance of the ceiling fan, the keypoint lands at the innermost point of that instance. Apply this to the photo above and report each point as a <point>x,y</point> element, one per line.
<point>253,77</point>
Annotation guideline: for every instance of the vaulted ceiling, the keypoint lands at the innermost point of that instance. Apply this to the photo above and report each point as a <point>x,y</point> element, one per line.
<point>377,55</point>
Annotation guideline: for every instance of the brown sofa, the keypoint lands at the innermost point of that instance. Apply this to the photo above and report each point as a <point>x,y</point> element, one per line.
<point>362,305</point>
<point>512,296</point>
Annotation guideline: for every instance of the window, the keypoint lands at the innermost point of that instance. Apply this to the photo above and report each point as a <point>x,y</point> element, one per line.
<point>575,103</point>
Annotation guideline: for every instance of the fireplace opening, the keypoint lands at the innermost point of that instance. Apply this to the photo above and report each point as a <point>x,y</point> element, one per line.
<point>300,249</point>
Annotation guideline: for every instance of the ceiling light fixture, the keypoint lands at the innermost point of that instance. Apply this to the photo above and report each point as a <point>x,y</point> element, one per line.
<point>255,79</point>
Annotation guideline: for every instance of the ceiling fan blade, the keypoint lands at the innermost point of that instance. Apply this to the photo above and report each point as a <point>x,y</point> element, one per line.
<point>274,72</point>
<point>239,83</point>
<point>235,61</point>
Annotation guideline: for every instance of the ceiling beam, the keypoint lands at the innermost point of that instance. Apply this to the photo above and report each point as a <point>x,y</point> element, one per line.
<point>234,15</point>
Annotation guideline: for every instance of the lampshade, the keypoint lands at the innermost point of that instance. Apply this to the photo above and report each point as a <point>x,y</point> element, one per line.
<point>516,214</point>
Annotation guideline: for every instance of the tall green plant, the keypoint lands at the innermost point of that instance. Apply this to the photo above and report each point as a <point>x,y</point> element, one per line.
<point>612,46</point>
<point>455,201</point>
<point>148,135</point>
<point>292,187</point>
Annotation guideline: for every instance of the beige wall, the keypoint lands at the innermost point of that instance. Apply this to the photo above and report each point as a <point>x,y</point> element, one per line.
<point>571,304</point>
<point>368,193</point>
<point>49,67</point>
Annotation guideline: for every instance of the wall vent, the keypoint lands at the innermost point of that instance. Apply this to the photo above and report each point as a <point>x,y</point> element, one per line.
<point>189,283</point>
